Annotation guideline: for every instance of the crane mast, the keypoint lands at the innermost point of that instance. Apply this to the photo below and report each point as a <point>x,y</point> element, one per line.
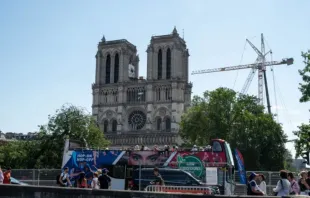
<point>260,65</point>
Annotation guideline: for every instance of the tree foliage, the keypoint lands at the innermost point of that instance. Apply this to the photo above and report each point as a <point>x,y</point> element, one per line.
<point>238,119</point>
<point>305,74</point>
<point>47,150</point>
<point>302,143</point>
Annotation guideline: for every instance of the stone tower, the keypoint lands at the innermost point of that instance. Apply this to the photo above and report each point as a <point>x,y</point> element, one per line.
<point>132,110</point>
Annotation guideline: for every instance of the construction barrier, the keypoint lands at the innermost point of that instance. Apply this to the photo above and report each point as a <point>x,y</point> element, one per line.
<point>180,189</point>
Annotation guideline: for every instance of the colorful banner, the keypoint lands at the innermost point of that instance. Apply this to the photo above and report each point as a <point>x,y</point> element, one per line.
<point>190,161</point>
<point>195,162</point>
<point>241,168</point>
<point>145,158</point>
<point>92,159</point>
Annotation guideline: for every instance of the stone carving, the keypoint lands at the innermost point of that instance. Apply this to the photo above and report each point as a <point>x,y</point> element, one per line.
<point>148,121</point>
<point>109,114</point>
<point>162,112</point>
<point>173,119</point>
<point>119,121</point>
<point>149,49</point>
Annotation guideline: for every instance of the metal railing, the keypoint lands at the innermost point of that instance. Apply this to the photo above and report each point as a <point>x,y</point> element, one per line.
<point>47,177</point>
<point>271,177</point>
<point>38,177</point>
<point>179,189</point>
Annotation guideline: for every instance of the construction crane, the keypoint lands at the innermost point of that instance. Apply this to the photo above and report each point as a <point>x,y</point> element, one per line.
<point>260,65</point>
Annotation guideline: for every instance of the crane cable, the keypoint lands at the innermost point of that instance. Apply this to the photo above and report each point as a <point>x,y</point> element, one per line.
<point>284,106</point>
<point>244,48</point>
<point>274,89</point>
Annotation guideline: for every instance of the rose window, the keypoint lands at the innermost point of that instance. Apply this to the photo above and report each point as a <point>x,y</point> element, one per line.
<point>137,120</point>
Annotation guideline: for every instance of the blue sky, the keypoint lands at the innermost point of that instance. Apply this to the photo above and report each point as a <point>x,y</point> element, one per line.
<point>47,49</point>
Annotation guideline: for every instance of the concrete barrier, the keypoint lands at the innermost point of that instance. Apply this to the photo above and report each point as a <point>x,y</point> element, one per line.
<point>12,191</point>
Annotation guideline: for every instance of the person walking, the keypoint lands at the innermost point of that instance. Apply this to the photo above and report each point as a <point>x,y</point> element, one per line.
<point>104,180</point>
<point>295,190</point>
<point>283,186</point>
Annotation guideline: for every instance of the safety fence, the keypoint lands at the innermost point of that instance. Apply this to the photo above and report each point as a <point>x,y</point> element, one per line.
<point>38,177</point>
<point>271,177</point>
<point>47,177</point>
<point>242,189</point>
<point>180,189</point>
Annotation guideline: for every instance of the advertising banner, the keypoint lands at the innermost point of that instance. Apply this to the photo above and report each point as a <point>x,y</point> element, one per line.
<point>241,168</point>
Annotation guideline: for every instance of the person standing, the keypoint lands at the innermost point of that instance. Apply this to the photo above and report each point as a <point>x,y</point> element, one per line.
<point>304,187</point>
<point>1,176</point>
<point>159,180</point>
<point>7,176</point>
<point>82,181</point>
<point>95,182</point>
<point>252,187</point>
<point>262,184</point>
<point>104,180</point>
<point>283,186</point>
<point>294,185</point>
<point>64,178</point>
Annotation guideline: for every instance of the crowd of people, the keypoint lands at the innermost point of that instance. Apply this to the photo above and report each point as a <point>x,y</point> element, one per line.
<point>287,185</point>
<point>96,180</point>
<point>216,147</point>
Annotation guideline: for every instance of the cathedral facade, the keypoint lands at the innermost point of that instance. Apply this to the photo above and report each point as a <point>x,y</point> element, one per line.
<point>131,110</point>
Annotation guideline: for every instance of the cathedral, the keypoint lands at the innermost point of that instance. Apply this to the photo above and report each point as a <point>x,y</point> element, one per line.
<point>132,110</point>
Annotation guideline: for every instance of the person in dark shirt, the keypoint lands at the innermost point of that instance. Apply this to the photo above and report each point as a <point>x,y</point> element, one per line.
<point>303,184</point>
<point>159,180</point>
<point>104,179</point>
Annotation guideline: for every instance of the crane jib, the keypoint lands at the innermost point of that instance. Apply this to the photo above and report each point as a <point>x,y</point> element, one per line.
<point>288,61</point>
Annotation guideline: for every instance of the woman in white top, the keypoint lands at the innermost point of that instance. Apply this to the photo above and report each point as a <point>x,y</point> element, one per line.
<point>283,186</point>
<point>262,184</point>
<point>94,183</point>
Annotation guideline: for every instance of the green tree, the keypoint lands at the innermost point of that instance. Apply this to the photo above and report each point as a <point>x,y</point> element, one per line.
<point>18,154</point>
<point>238,119</point>
<point>47,150</point>
<point>302,143</point>
<point>69,122</point>
<point>305,74</point>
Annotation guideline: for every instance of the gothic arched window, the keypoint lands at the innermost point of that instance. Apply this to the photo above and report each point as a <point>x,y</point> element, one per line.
<point>158,123</point>
<point>105,126</point>
<point>168,68</point>
<point>108,69</point>
<point>116,68</point>
<point>168,124</point>
<point>114,125</point>
<point>160,64</point>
